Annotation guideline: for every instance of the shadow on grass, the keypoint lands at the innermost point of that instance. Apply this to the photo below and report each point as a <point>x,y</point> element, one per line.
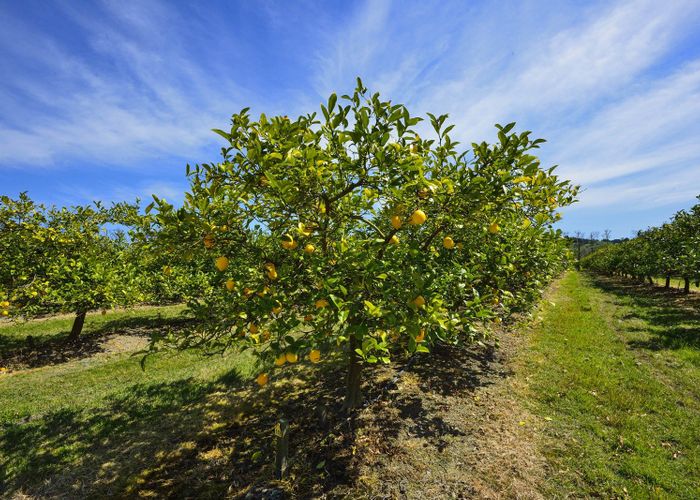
<point>673,316</point>
<point>447,371</point>
<point>34,352</point>
<point>194,439</point>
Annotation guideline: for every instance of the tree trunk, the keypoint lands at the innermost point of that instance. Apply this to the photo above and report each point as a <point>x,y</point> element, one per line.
<point>651,281</point>
<point>353,394</point>
<point>77,326</point>
<point>686,285</point>
<point>668,282</point>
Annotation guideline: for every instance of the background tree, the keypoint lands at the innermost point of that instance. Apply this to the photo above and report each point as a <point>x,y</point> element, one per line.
<point>671,249</point>
<point>64,259</point>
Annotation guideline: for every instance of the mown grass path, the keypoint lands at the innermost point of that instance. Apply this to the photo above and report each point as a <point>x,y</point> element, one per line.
<point>614,370</point>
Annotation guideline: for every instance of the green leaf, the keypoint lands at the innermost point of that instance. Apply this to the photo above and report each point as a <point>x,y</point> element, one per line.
<point>222,133</point>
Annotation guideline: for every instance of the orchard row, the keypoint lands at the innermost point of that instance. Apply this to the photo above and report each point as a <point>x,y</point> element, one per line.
<point>672,249</point>
<point>82,258</point>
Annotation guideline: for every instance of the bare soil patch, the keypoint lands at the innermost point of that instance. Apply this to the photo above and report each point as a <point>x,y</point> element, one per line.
<point>451,428</point>
<point>128,335</point>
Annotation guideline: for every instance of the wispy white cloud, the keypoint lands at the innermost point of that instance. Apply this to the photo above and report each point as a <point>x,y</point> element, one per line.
<point>571,71</point>
<point>353,49</point>
<point>679,184</point>
<point>654,128</point>
<point>80,194</point>
<point>142,110</point>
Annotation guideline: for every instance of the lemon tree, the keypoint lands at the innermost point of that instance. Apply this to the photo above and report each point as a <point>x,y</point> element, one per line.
<point>63,259</point>
<point>347,233</point>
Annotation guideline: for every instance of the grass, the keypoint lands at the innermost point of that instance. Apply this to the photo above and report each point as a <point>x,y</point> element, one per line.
<point>96,426</point>
<point>99,409</point>
<point>604,385</point>
<point>89,375</point>
<point>614,368</point>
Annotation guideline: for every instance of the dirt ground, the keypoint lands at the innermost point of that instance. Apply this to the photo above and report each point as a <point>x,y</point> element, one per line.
<point>447,425</point>
<point>450,427</point>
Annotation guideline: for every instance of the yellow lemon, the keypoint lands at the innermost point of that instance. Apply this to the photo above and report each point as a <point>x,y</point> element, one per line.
<point>209,241</point>
<point>448,243</point>
<point>309,248</point>
<point>419,301</point>
<point>291,357</point>
<point>420,336</point>
<point>394,240</point>
<point>277,309</point>
<point>262,379</point>
<point>221,263</point>
<point>288,242</point>
<point>272,274</point>
<point>4,303</point>
<point>280,360</point>
<point>230,285</point>
<point>418,217</point>
<point>494,228</point>
<point>396,222</point>
<point>5,313</point>
<point>304,229</point>
<point>321,303</point>
<point>315,356</point>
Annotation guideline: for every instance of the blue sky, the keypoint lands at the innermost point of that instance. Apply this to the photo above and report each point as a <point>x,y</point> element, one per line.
<point>110,100</point>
